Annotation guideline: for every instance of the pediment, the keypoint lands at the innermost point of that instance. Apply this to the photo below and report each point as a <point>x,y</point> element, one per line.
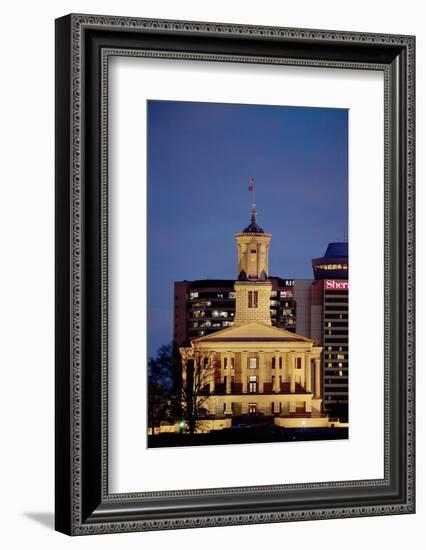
<point>253,332</point>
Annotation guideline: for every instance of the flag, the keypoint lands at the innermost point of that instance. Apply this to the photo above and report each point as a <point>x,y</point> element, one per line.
<point>251,184</point>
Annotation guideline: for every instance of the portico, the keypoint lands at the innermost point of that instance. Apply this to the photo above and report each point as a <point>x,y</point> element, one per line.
<point>273,370</point>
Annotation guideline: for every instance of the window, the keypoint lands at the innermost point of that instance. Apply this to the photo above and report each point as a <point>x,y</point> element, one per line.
<point>252,408</point>
<point>220,295</point>
<point>272,407</point>
<point>252,298</point>
<point>331,266</point>
<point>198,313</point>
<point>253,251</point>
<point>298,363</point>
<point>225,363</point>
<point>201,304</point>
<point>252,384</point>
<point>340,356</point>
<point>193,295</point>
<point>340,373</point>
<point>253,363</point>
<point>273,362</point>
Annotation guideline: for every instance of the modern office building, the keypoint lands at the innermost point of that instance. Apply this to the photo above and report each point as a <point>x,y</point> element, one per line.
<point>250,366</point>
<point>322,313</point>
<point>330,325</point>
<point>206,306</point>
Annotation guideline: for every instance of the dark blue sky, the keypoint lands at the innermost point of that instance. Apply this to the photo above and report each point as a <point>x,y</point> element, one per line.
<point>200,159</point>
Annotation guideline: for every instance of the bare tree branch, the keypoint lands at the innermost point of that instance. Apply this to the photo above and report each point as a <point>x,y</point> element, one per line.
<point>195,392</point>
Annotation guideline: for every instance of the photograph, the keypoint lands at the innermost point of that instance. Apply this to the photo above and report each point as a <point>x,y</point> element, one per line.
<point>248,274</point>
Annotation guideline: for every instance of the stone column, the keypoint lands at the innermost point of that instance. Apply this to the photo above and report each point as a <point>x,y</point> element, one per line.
<point>222,366</point>
<point>261,375</point>
<point>228,373</point>
<point>233,366</point>
<point>284,367</point>
<point>211,368</point>
<point>292,373</point>
<point>184,371</point>
<point>317,378</point>
<point>196,371</point>
<point>276,387</point>
<point>244,359</point>
<point>308,377</point>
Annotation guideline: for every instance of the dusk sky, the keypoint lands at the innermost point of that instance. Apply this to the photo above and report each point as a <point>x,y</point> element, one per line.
<point>200,160</point>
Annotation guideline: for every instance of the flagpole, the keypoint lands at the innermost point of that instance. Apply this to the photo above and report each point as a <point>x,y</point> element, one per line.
<point>252,189</point>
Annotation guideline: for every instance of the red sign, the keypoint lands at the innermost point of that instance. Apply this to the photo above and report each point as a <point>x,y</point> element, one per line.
<point>333,284</point>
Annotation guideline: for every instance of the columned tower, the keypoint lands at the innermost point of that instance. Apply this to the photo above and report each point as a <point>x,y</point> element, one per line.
<point>253,289</point>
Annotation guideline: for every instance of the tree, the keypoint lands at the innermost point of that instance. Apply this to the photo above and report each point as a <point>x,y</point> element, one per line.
<point>160,398</point>
<point>195,391</point>
<point>160,368</point>
<point>159,405</point>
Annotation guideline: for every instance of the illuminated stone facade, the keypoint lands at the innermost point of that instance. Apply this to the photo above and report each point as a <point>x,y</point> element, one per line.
<point>254,368</point>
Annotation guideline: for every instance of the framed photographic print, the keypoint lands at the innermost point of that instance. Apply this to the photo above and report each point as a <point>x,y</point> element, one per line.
<point>217,361</point>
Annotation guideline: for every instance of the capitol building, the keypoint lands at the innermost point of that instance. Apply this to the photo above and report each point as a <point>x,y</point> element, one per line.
<point>254,369</point>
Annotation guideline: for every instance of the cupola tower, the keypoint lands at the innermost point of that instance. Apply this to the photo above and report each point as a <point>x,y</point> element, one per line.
<point>253,289</point>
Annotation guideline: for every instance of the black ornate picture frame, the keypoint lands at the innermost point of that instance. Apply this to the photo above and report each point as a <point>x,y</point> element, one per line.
<point>84,43</point>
